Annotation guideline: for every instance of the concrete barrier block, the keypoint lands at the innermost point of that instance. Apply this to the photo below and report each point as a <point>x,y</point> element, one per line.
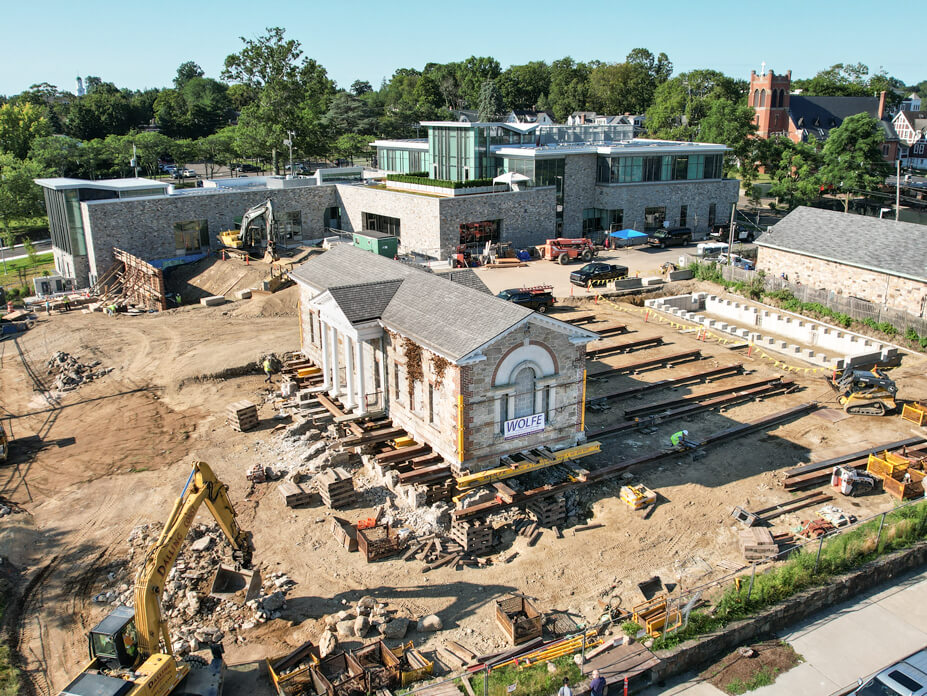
<point>783,344</point>
<point>745,333</point>
<point>626,283</point>
<point>243,294</point>
<point>722,326</point>
<point>682,274</point>
<point>212,301</point>
<point>652,280</point>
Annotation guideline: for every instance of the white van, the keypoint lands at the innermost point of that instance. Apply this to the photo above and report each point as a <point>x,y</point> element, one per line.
<point>708,250</point>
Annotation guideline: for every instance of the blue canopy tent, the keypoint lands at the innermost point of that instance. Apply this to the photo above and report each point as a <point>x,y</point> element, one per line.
<point>627,237</point>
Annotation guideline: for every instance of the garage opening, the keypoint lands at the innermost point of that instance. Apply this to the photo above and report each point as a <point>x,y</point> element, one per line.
<point>476,234</point>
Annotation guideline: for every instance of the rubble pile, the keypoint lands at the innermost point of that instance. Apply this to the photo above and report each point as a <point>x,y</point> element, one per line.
<point>69,373</point>
<point>370,618</point>
<point>195,617</point>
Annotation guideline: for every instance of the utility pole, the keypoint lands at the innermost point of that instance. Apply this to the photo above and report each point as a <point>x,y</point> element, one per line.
<point>289,143</point>
<point>730,244</point>
<point>134,161</point>
<point>897,187</point>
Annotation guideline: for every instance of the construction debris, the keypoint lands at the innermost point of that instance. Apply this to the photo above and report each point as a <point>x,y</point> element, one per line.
<point>757,544</point>
<point>69,373</point>
<point>242,415</point>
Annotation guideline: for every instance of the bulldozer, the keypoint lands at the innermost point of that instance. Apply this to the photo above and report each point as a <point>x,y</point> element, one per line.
<point>130,649</point>
<point>249,237</point>
<point>864,392</point>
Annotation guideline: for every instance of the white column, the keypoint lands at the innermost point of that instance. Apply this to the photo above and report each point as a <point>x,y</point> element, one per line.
<point>349,395</point>
<point>336,378</point>
<point>384,387</point>
<point>326,356</point>
<point>361,400</point>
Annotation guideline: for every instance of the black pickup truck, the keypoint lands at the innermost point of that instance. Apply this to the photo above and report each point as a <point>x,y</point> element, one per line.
<point>597,273</point>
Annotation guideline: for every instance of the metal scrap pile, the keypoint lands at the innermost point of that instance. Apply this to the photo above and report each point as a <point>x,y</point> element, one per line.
<point>69,373</point>
<point>196,618</point>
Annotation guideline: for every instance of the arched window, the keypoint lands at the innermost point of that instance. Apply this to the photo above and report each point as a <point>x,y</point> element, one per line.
<point>756,97</point>
<point>763,98</point>
<point>774,98</point>
<point>524,392</point>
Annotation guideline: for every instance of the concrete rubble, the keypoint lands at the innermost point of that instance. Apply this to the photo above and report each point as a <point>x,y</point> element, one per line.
<point>69,373</point>
<point>196,618</point>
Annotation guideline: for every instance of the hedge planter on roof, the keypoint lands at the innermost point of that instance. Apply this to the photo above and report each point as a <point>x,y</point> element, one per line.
<point>441,183</point>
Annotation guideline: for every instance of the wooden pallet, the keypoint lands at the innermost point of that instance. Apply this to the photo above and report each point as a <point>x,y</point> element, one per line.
<point>242,415</point>
<point>757,543</point>
<point>295,495</point>
<point>474,538</point>
<point>548,512</point>
<point>337,488</point>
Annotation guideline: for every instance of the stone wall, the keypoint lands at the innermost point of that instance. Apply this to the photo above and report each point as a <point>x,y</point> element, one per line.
<point>484,442</point>
<point>879,288</point>
<point>700,651</point>
<point>72,266</point>
<point>419,215</point>
<point>578,191</point>
<point>528,217</point>
<point>697,195</point>
<point>144,227</point>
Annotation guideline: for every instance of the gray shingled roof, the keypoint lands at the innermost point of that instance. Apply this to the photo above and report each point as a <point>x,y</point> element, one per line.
<point>465,276</point>
<point>819,115</point>
<point>896,248</point>
<point>364,301</point>
<point>449,317</point>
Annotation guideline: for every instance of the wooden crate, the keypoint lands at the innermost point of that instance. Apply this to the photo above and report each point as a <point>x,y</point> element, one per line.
<point>518,619</point>
<point>336,488</point>
<point>381,666</point>
<point>474,538</point>
<point>548,512</point>
<point>345,533</point>
<point>295,494</point>
<point>339,675</point>
<point>242,415</point>
<point>757,543</point>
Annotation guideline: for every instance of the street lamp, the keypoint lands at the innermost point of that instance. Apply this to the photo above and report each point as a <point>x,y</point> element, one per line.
<point>289,143</point>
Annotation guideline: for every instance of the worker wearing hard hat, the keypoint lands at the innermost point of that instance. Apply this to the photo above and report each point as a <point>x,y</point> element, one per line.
<point>677,439</point>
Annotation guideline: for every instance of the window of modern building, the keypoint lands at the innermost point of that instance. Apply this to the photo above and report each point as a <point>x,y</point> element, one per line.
<point>524,392</point>
<point>478,233</point>
<point>381,223</point>
<point>630,169</point>
<point>600,219</point>
<point>431,403</point>
<point>332,217</point>
<point>683,215</point>
<point>712,213</point>
<point>654,218</point>
<point>191,236</point>
<point>292,224</point>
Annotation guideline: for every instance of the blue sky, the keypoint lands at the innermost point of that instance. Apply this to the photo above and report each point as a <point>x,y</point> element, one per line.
<point>137,45</point>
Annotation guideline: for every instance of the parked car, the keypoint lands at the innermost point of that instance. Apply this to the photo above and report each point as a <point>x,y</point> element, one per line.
<point>244,167</point>
<point>540,298</point>
<point>597,273</point>
<point>168,168</point>
<point>742,234</point>
<point>711,250</point>
<point>677,236</point>
<point>183,174</point>
<point>905,678</point>
<point>738,261</point>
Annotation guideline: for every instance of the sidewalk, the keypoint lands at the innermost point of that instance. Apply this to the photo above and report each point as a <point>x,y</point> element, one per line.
<point>848,641</point>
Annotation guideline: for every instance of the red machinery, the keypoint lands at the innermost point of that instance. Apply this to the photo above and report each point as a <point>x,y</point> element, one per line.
<point>563,250</point>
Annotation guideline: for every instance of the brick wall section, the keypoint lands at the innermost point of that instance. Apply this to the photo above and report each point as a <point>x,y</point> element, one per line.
<point>144,227</point>
<point>697,195</point>
<point>880,288</point>
<point>419,215</point>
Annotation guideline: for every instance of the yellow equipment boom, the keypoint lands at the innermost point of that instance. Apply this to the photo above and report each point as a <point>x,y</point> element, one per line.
<point>134,646</point>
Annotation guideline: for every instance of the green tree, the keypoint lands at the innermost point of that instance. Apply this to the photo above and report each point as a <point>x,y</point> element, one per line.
<point>732,123</point>
<point>199,107</point>
<point>351,145</point>
<point>218,149</point>
<point>349,114</point>
<point>359,87</point>
<point>852,157</point>
<point>186,72</point>
<point>59,154</point>
<point>568,87</point>
<point>490,104</point>
<point>103,111</point>
<point>20,124</point>
<point>472,74</point>
<point>19,196</point>
<point>31,253</point>
<point>522,86</point>
<point>183,151</point>
<point>293,93</point>
<point>680,104</point>
<point>838,80</point>
<point>794,170</point>
<point>151,147</point>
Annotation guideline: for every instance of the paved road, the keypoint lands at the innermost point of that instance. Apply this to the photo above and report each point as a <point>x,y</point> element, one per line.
<point>19,251</point>
<point>849,641</point>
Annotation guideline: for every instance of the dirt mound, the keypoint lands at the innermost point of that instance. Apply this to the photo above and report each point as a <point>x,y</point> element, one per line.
<point>284,303</point>
<point>214,276</point>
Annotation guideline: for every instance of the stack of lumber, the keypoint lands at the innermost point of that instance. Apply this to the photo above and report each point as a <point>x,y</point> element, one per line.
<point>474,537</point>
<point>336,488</point>
<point>757,543</point>
<point>242,415</point>
<point>549,512</point>
<point>295,494</point>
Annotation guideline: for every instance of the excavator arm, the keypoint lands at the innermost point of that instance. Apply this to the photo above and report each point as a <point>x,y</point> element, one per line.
<point>267,210</point>
<point>202,487</point>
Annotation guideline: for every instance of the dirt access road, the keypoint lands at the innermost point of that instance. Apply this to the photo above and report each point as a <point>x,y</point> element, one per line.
<point>115,453</point>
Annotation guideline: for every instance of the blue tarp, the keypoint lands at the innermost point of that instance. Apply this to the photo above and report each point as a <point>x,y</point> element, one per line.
<point>628,234</point>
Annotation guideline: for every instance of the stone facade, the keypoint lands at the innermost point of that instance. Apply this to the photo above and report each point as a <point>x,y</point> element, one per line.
<point>144,227</point>
<point>633,199</point>
<point>880,288</point>
<point>419,215</point>
<point>579,191</point>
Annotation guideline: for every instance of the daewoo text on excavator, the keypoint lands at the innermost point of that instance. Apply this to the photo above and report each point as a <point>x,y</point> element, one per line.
<point>130,650</point>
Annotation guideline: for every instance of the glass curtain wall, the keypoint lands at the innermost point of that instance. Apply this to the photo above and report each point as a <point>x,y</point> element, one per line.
<point>453,153</point>
<point>632,169</point>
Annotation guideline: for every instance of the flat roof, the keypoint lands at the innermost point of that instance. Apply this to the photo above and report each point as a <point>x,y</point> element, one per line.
<point>62,182</point>
<point>638,146</point>
<point>408,144</point>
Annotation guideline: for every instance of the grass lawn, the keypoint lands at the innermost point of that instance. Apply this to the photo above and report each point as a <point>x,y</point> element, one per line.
<point>537,680</point>
<point>738,674</point>
<point>11,276</point>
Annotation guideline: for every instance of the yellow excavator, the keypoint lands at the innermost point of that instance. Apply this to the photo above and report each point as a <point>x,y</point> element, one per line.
<point>249,237</point>
<point>130,649</point>
<point>865,393</point>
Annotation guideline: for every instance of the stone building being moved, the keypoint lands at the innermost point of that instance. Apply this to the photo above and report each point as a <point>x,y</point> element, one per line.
<point>471,375</point>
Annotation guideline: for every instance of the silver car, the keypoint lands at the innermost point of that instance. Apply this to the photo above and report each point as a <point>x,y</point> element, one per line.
<point>905,678</point>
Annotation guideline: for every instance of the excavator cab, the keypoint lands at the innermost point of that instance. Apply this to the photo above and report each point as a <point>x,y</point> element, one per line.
<point>114,641</point>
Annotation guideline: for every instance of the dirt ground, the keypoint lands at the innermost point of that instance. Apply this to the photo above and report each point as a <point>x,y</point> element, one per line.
<point>115,453</point>
<point>737,673</point>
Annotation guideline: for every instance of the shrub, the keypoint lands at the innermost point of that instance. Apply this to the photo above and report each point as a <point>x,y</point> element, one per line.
<point>441,183</point>
<point>631,628</point>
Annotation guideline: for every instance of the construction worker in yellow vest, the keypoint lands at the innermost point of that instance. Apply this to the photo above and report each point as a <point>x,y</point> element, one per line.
<point>268,370</point>
<point>678,439</point>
